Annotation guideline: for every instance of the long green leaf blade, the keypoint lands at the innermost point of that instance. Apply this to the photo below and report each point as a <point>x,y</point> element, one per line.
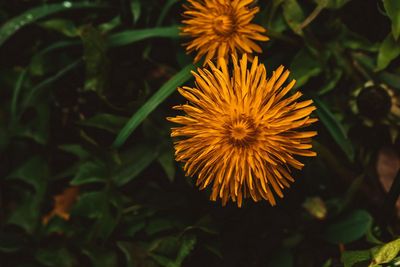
<point>131,36</point>
<point>34,14</point>
<point>335,128</point>
<point>38,88</point>
<point>16,92</point>
<point>165,10</point>
<point>392,8</point>
<point>167,89</point>
<point>135,161</point>
<point>349,228</point>
<point>388,51</point>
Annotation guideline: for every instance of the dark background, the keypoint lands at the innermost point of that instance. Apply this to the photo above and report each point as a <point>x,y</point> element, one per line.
<point>71,76</point>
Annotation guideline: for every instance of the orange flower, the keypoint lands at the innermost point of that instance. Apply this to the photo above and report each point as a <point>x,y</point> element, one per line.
<point>239,132</point>
<point>221,27</point>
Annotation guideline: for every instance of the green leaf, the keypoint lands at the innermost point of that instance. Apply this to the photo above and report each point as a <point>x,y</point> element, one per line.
<point>351,192</point>
<point>166,7</point>
<point>328,263</point>
<point>132,36</point>
<point>38,89</point>
<point>274,20</point>
<point>127,249</point>
<point>167,161</point>
<point>167,89</point>
<point>63,26</point>
<point>366,61</point>
<point>335,128</point>
<point>276,3</point>
<point>163,261</point>
<point>157,225</point>
<point>350,228</point>
<point>34,172</point>
<point>164,249</point>
<point>90,172</point>
<point>106,224</point>
<point>282,258</point>
<point>110,25</point>
<point>37,128</point>
<point>108,122</point>
<point>349,258</point>
<point>16,92</point>
<point>136,10</point>
<point>34,14</point>
<point>75,149</point>
<point>187,245</point>
<point>90,205</point>
<point>96,206</point>
<point>332,4</point>
<point>135,227</point>
<point>55,257</point>
<point>391,79</point>
<point>205,224</point>
<point>134,162</point>
<point>293,15</point>
<point>57,225</point>
<point>355,41</point>
<point>303,67</point>
<point>41,61</point>
<point>12,242</point>
<point>333,79</point>
<point>389,50</point>
<point>371,237</point>
<point>101,257</point>
<point>26,213</point>
<point>214,247</point>
<point>94,54</point>
<point>386,253</point>
<point>392,8</point>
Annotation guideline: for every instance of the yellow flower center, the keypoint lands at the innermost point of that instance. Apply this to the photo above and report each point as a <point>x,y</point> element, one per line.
<point>223,25</point>
<point>241,132</point>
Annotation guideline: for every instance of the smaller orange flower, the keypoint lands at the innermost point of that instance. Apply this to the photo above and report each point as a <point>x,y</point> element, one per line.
<point>220,28</point>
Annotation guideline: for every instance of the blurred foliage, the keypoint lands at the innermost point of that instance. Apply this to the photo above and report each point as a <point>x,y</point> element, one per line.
<point>87,175</point>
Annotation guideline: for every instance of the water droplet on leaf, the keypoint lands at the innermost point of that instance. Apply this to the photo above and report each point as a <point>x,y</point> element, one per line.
<point>67,4</point>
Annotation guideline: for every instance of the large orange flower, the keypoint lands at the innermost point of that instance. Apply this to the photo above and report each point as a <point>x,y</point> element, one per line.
<point>240,134</point>
<point>221,27</point>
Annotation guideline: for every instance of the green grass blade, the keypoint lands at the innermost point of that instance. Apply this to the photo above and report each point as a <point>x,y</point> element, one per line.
<point>165,10</point>
<point>58,45</point>
<point>38,88</point>
<point>131,36</point>
<point>34,14</point>
<point>124,38</point>
<point>17,90</point>
<point>167,89</point>
<point>134,162</point>
<point>335,128</point>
